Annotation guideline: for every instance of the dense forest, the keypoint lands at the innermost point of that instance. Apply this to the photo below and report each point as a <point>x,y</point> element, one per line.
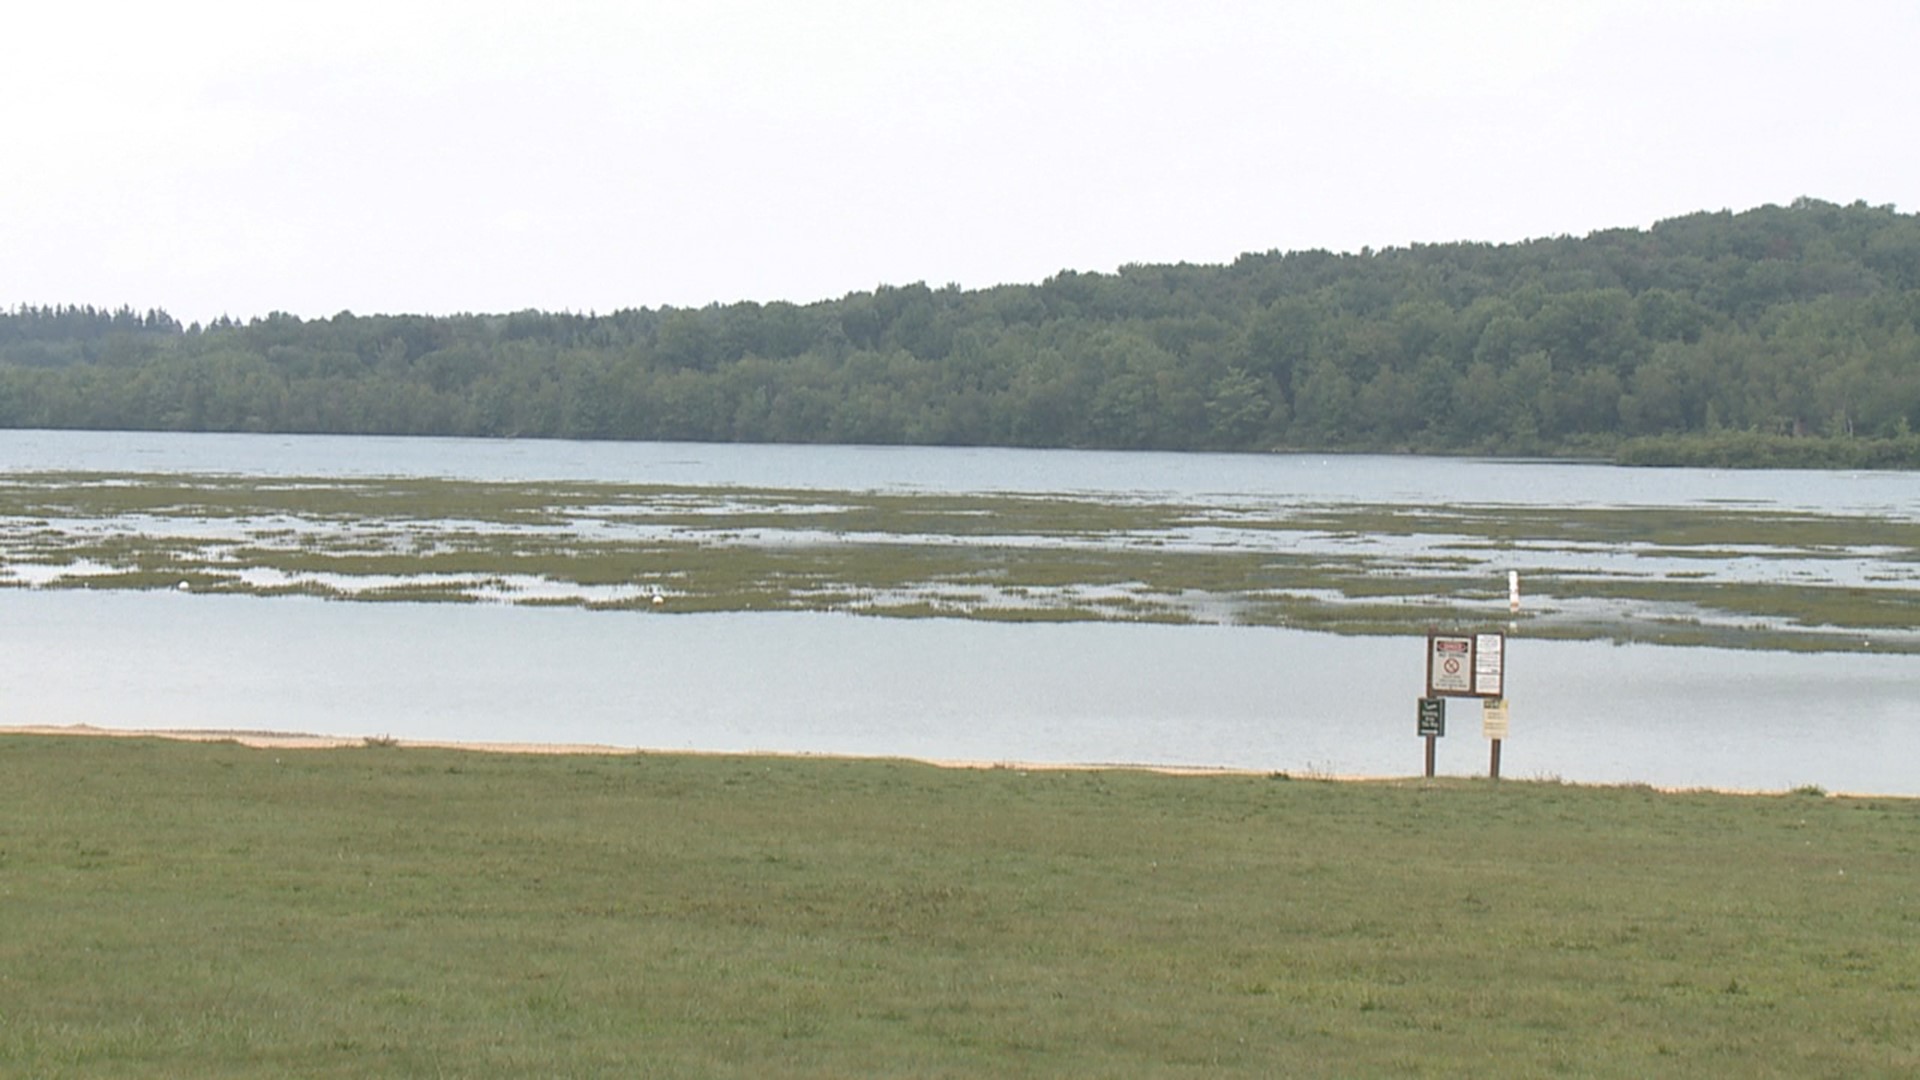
<point>1780,335</point>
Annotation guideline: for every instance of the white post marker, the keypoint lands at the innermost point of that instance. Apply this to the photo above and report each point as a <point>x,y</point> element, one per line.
<point>1513,592</point>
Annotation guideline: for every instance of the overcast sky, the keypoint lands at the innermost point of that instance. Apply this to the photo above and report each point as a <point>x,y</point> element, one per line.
<point>439,156</point>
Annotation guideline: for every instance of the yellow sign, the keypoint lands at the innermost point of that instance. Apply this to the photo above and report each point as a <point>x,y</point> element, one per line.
<point>1493,718</point>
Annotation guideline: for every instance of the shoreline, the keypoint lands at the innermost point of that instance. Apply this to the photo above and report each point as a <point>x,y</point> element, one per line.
<point>293,740</point>
<point>289,740</point>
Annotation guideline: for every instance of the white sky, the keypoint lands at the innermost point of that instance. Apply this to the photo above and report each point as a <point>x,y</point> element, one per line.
<point>438,156</point>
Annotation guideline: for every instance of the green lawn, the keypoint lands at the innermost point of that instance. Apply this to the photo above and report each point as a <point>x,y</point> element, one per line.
<point>179,909</point>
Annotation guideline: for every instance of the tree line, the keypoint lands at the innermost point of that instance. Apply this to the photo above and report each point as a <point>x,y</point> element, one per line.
<point>1783,334</point>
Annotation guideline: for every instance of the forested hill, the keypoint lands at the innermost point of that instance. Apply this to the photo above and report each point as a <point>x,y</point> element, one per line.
<point>1777,335</point>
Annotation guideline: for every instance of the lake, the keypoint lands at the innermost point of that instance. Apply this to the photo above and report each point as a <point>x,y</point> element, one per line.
<point>1239,478</point>
<point>1083,693</point>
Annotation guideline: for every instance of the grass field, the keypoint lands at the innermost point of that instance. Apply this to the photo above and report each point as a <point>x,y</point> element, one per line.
<point>180,909</point>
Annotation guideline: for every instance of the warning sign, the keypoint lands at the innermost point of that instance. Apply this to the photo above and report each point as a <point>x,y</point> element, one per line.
<point>1449,665</point>
<point>1467,665</point>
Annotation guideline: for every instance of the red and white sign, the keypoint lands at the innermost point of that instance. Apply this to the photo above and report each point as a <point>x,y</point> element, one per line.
<point>1467,665</point>
<point>1449,665</point>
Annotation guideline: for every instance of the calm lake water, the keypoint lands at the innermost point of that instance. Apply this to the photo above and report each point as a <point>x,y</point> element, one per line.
<point>1068,693</point>
<point>1237,478</point>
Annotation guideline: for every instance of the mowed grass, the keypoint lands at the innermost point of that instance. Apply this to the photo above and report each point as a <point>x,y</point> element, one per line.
<point>182,909</point>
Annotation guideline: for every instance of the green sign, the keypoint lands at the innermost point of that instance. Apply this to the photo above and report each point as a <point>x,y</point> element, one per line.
<point>1433,716</point>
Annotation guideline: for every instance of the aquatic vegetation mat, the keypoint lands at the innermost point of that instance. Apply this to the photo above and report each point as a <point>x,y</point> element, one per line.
<point>1733,576</point>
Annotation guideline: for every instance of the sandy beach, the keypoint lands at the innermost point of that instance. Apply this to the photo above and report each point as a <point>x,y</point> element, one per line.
<point>286,740</point>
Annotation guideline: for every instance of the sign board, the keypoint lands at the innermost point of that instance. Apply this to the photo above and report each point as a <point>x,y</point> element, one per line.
<point>1493,718</point>
<point>1449,665</point>
<point>1433,716</point>
<point>1489,665</point>
<point>1467,665</point>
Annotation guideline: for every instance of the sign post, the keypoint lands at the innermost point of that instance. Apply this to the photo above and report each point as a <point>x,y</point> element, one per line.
<point>1493,724</point>
<point>1466,665</point>
<point>1432,724</point>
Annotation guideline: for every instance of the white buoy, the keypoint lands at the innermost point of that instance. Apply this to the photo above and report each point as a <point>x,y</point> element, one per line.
<point>184,586</point>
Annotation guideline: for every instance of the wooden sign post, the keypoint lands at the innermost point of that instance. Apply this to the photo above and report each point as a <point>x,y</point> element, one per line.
<point>1466,665</point>
<point>1493,724</point>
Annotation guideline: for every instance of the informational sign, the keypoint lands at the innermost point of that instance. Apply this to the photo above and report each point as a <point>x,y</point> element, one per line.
<point>1449,665</point>
<point>1489,665</point>
<point>1433,716</point>
<point>1493,718</point>
<point>1467,665</point>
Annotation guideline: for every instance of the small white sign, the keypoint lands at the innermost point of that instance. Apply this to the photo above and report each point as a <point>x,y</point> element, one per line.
<point>1489,665</point>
